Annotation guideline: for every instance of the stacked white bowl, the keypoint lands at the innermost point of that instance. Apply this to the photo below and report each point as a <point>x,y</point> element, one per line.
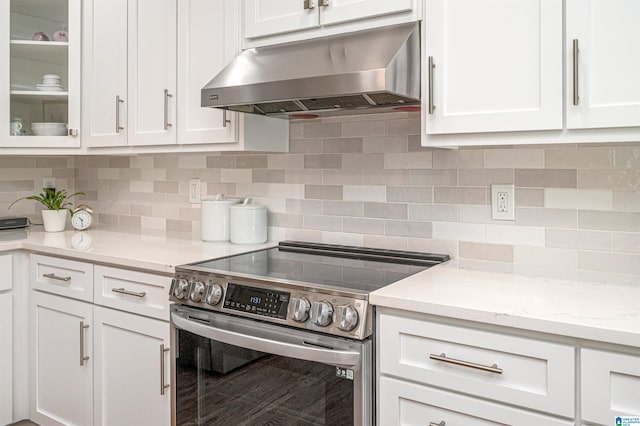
<point>49,129</point>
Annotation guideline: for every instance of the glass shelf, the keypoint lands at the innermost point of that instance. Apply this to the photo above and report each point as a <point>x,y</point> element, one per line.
<point>37,96</point>
<point>53,52</point>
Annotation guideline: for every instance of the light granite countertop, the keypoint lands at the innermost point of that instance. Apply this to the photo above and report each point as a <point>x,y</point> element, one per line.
<point>151,253</point>
<point>592,311</point>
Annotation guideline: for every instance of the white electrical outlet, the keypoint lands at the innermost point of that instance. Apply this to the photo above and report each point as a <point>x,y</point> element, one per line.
<point>49,182</point>
<point>195,191</point>
<point>502,202</point>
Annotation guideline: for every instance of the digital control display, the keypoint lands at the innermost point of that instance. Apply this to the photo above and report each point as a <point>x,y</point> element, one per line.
<point>257,301</point>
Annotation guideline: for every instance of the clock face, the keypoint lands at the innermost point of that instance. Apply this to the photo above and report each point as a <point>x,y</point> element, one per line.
<point>81,241</point>
<point>81,219</point>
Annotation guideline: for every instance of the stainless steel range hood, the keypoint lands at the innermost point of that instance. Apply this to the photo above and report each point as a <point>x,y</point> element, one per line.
<point>365,71</point>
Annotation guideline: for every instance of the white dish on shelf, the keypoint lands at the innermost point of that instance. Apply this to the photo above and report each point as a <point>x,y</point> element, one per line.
<point>50,87</point>
<point>49,129</point>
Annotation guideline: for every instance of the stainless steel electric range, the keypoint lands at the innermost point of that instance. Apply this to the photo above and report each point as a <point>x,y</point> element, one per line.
<point>281,336</point>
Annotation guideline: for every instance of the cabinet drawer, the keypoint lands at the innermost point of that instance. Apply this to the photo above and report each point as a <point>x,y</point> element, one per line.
<point>136,292</point>
<point>68,278</point>
<point>6,267</point>
<point>409,404</point>
<point>610,385</point>
<point>514,370</point>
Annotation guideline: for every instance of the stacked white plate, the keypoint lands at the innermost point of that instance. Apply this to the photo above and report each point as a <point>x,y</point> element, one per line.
<point>49,129</point>
<point>50,87</point>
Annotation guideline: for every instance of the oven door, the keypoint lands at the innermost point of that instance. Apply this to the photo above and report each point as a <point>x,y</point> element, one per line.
<point>234,371</point>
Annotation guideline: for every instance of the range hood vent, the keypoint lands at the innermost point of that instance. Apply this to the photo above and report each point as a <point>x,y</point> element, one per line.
<point>362,72</point>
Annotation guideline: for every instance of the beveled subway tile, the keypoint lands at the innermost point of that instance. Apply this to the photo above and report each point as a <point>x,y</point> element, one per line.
<point>322,130</point>
<point>165,187</point>
<point>221,162</point>
<point>179,225</point>
<point>609,262</point>
<point>385,177</point>
<point>454,195</point>
<point>342,177</point>
<point>192,162</point>
<point>165,162</point>
<point>581,240</point>
<point>268,176</point>
<point>305,146</point>
<point>476,213</point>
<point>343,208</point>
<point>555,218</point>
<point>415,144</point>
<point>17,162</point>
<point>626,157</point>
<point>363,128</point>
<point>426,245</point>
<point>153,223</point>
<point>285,220</point>
<point>303,176</point>
<point>433,212</point>
<point>109,174</point>
<point>323,192</point>
<point>516,235</point>
<point>141,186</point>
<point>626,200</point>
<point>363,226</point>
<point>285,161</point>
<point>385,210</point>
<point>251,162</point>
<point>295,206</point>
<point>385,242</point>
<point>577,158</point>
<point>560,261</point>
<point>296,130</point>
<point>529,197</point>
<point>433,177</point>
<point>546,178</point>
<point>459,231</point>
<point>129,223</point>
<point>16,185</point>
<point>405,194</point>
<point>141,210</point>
<point>153,174</point>
<point>323,161</point>
<point>413,160</point>
<point>609,179</point>
<point>190,213</point>
<point>385,144</point>
<point>252,189</point>
<point>51,162</point>
<point>119,162</point>
<point>363,161</point>
<point>514,158</point>
<point>626,242</point>
<point>458,159</point>
<point>609,221</point>
<point>406,228</point>
<point>341,145</point>
<point>285,190</point>
<point>140,162</point>
<point>485,177</point>
<point>490,252</point>
<point>579,199</point>
<point>408,126</point>
<point>364,193</point>
<point>130,174</point>
<point>236,175</point>
<point>96,161</point>
<point>322,223</point>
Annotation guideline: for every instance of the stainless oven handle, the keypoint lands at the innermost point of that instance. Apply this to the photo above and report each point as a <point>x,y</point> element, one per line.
<point>290,350</point>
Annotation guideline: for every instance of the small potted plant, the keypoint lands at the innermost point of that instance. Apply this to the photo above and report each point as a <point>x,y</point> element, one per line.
<point>54,217</point>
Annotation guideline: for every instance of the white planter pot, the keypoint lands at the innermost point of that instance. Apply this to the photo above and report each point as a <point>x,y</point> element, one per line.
<point>54,220</point>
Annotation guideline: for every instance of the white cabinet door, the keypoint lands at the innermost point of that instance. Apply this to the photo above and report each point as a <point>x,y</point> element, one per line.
<point>6,358</point>
<point>61,361</point>
<point>152,72</point>
<point>338,11</point>
<point>201,22</point>
<point>130,353</point>
<point>104,73</point>
<point>498,65</point>
<point>267,17</point>
<point>608,65</point>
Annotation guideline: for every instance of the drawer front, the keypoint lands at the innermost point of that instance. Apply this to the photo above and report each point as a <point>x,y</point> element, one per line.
<point>136,292</point>
<point>515,370</point>
<point>610,385</point>
<point>6,267</point>
<point>409,404</point>
<point>68,278</point>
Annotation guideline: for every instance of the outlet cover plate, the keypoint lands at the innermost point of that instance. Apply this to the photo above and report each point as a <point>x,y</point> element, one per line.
<point>503,202</point>
<point>195,191</point>
<point>48,182</point>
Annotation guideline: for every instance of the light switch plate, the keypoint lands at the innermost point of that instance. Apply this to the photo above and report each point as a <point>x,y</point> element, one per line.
<point>503,202</point>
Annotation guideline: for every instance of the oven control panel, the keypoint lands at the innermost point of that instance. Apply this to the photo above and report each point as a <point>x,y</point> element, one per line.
<point>305,308</point>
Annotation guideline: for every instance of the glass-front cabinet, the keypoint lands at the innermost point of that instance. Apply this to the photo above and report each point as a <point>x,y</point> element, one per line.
<point>40,105</point>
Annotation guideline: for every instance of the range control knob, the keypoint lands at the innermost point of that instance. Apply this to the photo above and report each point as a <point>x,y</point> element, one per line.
<point>346,317</point>
<point>181,289</point>
<point>301,308</point>
<point>214,294</point>
<point>321,313</point>
<point>197,291</point>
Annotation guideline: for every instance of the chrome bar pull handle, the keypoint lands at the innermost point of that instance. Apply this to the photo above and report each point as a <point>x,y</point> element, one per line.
<point>83,357</point>
<point>309,4</point>
<point>225,120</point>
<point>129,293</point>
<point>443,358</point>
<point>430,68</point>
<point>119,101</point>
<point>55,277</point>
<point>167,95</point>
<point>442,423</point>
<point>576,52</point>
<point>163,386</point>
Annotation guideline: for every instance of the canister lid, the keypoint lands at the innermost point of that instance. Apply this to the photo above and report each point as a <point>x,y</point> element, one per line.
<point>221,199</point>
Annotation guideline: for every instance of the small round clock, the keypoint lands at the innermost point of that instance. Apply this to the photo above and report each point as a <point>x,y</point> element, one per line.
<point>81,241</point>
<point>82,218</point>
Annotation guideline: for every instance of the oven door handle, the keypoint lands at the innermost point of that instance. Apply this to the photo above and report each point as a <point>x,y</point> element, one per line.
<point>291,350</point>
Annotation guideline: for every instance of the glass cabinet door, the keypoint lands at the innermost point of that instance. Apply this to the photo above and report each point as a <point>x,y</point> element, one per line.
<point>43,69</point>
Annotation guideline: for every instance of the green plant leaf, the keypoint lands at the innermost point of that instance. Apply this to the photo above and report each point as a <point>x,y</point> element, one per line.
<point>51,199</point>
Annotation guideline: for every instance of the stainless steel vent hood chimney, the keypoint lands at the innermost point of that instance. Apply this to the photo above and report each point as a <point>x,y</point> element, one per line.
<point>365,71</point>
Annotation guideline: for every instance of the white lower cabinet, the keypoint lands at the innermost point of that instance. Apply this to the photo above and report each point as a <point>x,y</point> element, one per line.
<point>61,361</point>
<point>6,364</point>
<point>131,369</point>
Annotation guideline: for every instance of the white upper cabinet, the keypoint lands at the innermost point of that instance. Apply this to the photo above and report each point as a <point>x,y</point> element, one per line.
<point>605,65</point>
<point>278,21</point>
<point>40,39</point>
<point>200,22</point>
<point>130,72</point>
<point>497,65</point>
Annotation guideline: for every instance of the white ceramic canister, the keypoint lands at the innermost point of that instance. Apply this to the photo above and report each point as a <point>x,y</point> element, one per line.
<point>215,223</point>
<point>248,223</point>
